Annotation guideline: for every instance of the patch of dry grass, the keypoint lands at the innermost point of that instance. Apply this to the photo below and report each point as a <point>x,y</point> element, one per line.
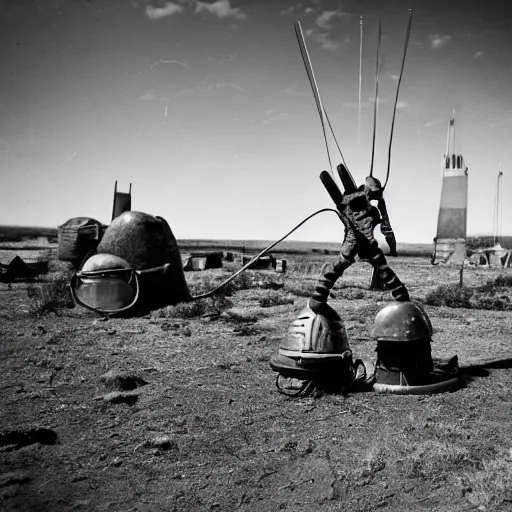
<point>275,299</point>
<point>211,306</point>
<point>490,486</point>
<point>492,295</point>
<point>51,296</point>
<point>435,459</point>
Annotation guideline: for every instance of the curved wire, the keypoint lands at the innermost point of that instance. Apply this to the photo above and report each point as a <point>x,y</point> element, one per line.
<point>407,34</point>
<point>377,71</point>
<point>262,253</point>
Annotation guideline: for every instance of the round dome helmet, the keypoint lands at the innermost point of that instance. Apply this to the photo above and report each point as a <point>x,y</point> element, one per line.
<point>315,349</point>
<point>143,240</point>
<point>402,322</point>
<point>147,243</point>
<point>106,284</point>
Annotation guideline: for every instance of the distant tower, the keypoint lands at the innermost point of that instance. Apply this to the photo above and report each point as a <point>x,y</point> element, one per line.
<point>450,242</point>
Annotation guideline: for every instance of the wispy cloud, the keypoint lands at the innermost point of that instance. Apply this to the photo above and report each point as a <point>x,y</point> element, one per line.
<point>435,122</point>
<point>219,8</point>
<point>292,9</point>
<point>271,116</point>
<point>438,40</point>
<point>216,85</point>
<point>371,99</point>
<point>324,21</point>
<point>323,39</point>
<point>222,9</point>
<point>323,24</point>
<point>296,90</point>
<point>500,123</point>
<point>169,8</point>
<point>150,95</point>
<point>478,55</point>
<point>162,61</point>
<point>401,104</point>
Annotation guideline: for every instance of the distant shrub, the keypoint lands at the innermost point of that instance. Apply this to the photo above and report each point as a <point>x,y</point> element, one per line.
<point>275,299</point>
<point>240,317</point>
<point>245,330</point>
<point>351,293</point>
<point>211,306</point>
<point>504,281</point>
<point>450,295</point>
<point>52,295</point>
<point>481,297</point>
<point>492,302</point>
<point>300,289</point>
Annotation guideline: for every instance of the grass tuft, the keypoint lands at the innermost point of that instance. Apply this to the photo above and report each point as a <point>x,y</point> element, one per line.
<point>450,295</point>
<point>435,459</point>
<point>490,295</point>
<point>275,299</point>
<point>211,306</point>
<point>491,485</point>
<point>51,296</point>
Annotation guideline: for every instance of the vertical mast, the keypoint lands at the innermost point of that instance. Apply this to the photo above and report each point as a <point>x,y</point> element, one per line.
<point>360,78</point>
<point>497,231</point>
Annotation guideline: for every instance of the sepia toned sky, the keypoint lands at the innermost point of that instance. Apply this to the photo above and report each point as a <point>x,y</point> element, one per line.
<point>205,107</point>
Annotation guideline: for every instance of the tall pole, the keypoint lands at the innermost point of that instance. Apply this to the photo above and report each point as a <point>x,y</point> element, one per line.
<point>501,202</point>
<point>360,78</point>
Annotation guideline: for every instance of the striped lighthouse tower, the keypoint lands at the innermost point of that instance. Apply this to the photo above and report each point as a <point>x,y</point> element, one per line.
<point>450,242</point>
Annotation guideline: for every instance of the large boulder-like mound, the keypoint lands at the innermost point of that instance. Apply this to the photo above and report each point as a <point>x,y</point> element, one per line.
<point>147,242</point>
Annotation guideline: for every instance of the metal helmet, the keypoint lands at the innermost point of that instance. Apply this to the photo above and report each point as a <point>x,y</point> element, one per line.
<point>143,240</point>
<point>314,343</point>
<point>105,283</point>
<point>104,262</point>
<point>315,336</point>
<point>137,268</point>
<point>402,322</point>
<point>147,243</point>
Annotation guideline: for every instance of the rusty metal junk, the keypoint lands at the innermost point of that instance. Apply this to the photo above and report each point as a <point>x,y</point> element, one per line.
<point>316,347</point>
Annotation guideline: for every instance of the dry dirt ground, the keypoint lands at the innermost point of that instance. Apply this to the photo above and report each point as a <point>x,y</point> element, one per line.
<point>209,431</point>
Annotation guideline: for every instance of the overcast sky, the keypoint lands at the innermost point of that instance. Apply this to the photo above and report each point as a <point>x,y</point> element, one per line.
<point>206,108</point>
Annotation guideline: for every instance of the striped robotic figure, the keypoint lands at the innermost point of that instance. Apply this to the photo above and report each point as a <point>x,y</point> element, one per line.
<point>360,218</point>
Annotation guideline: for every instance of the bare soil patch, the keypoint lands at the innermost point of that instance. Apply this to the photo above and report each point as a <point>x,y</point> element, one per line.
<point>200,425</point>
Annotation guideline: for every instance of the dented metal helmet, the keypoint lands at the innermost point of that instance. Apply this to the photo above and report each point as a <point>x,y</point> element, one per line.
<point>105,283</point>
<point>104,262</point>
<point>403,322</point>
<point>143,240</point>
<point>137,268</point>
<point>314,342</point>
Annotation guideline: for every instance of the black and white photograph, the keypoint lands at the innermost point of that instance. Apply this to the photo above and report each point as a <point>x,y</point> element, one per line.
<point>255,255</point>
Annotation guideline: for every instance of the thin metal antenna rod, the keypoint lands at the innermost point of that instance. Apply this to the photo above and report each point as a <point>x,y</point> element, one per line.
<point>312,81</point>
<point>407,34</point>
<point>496,207</point>
<point>337,145</point>
<point>377,71</point>
<point>360,79</point>
<point>501,209</point>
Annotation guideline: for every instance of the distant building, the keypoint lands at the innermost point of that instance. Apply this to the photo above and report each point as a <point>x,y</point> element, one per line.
<point>450,241</point>
<point>203,261</point>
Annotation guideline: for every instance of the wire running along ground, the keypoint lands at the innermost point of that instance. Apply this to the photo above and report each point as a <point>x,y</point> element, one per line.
<point>261,254</point>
